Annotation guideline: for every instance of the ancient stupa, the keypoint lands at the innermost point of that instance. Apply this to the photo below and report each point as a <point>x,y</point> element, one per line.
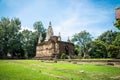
<point>53,46</point>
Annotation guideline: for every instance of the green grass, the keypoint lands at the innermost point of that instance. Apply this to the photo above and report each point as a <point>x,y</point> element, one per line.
<point>37,70</point>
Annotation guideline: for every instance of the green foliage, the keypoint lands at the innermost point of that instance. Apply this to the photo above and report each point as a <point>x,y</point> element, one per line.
<point>28,43</point>
<point>113,51</point>
<point>117,24</point>
<point>77,50</point>
<point>18,44</point>
<point>23,44</point>
<point>64,56</point>
<point>82,39</point>
<point>108,37</point>
<point>78,54</point>
<point>98,49</point>
<point>117,40</point>
<point>10,36</point>
<point>38,26</point>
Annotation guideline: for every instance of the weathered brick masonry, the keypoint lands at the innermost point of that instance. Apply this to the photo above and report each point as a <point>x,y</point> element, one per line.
<point>52,46</point>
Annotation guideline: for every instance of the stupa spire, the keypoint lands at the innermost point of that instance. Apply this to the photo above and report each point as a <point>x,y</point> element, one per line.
<point>40,38</point>
<point>68,39</point>
<point>49,32</point>
<point>50,23</point>
<point>59,37</point>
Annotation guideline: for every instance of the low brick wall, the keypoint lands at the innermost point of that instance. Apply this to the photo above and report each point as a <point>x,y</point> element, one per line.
<point>113,62</point>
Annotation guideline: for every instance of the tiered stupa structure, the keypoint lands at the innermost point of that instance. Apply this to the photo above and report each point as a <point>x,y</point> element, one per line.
<point>53,46</point>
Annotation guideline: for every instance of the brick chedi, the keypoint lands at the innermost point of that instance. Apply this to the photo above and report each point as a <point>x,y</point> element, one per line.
<point>117,13</point>
<point>52,46</point>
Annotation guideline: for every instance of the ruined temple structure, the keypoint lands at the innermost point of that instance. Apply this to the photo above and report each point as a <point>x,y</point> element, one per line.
<point>117,13</point>
<point>53,46</point>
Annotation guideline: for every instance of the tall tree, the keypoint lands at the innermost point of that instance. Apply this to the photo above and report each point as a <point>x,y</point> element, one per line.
<point>108,37</point>
<point>98,49</point>
<point>113,51</point>
<point>9,32</point>
<point>82,39</point>
<point>28,43</point>
<point>117,40</point>
<point>38,26</point>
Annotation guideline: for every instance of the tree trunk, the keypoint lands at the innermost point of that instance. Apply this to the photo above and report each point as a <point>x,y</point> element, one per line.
<point>86,55</point>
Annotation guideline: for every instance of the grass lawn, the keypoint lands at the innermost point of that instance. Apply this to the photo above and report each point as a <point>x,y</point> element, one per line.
<point>37,70</point>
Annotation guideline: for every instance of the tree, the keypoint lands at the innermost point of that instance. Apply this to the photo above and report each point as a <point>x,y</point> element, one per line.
<point>9,32</point>
<point>108,37</point>
<point>38,26</point>
<point>98,49</point>
<point>28,43</point>
<point>113,51</point>
<point>82,39</point>
<point>77,50</point>
<point>18,44</point>
<point>117,40</point>
<point>30,39</point>
<point>117,24</point>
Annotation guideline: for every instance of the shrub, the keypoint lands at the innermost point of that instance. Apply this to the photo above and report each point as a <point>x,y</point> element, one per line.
<point>64,56</point>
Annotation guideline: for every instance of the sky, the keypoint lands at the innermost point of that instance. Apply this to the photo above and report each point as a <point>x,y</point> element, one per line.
<point>67,16</point>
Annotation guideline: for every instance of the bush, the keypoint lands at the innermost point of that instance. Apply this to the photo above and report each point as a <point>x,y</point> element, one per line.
<point>64,56</point>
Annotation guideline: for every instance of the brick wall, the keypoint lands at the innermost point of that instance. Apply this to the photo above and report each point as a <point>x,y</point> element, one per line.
<point>117,13</point>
